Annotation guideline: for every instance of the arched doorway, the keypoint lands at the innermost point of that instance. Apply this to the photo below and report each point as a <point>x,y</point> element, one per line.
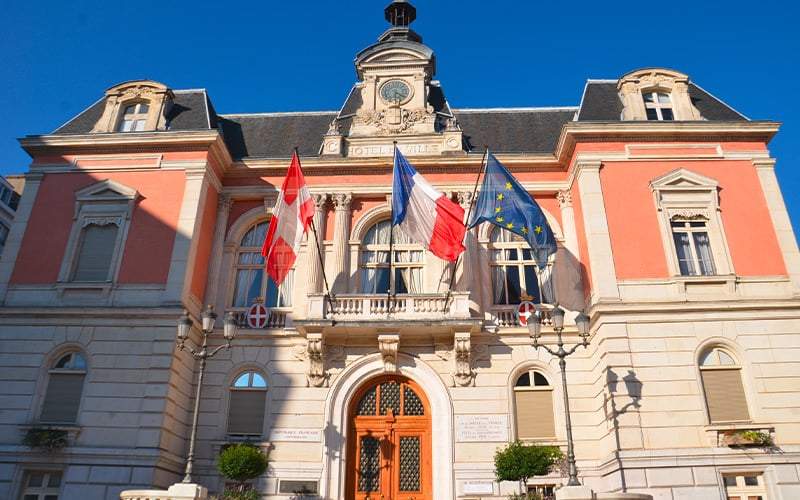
<point>389,441</point>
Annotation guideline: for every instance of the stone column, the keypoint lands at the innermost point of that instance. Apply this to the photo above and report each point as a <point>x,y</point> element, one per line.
<point>315,242</point>
<point>598,237</point>
<point>224,205</point>
<point>341,237</point>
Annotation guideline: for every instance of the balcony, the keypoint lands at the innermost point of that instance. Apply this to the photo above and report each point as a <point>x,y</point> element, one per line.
<point>371,307</point>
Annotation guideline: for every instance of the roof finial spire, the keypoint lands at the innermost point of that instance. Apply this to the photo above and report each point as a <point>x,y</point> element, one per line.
<point>400,13</point>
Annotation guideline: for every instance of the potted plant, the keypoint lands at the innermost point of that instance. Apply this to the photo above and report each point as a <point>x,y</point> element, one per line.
<point>518,462</point>
<point>45,438</point>
<point>240,463</point>
<point>748,437</point>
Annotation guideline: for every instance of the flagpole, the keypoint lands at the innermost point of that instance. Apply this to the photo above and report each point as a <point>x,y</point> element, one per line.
<point>469,214</point>
<point>319,249</point>
<point>391,232</point>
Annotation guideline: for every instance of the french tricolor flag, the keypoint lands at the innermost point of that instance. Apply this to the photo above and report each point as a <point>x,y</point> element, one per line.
<point>424,214</point>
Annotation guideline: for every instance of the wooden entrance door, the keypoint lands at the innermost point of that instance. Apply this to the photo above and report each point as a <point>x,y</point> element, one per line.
<point>389,444</point>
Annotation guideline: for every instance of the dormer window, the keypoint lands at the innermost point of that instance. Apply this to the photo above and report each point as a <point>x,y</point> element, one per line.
<point>137,106</point>
<point>658,106</point>
<point>656,94</point>
<point>134,118</point>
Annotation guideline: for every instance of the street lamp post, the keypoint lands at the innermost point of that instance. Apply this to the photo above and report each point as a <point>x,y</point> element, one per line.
<point>208,317</point>
<point>535,327</point>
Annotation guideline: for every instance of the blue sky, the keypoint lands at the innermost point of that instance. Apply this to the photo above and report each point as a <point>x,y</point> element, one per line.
<point>263,56</point>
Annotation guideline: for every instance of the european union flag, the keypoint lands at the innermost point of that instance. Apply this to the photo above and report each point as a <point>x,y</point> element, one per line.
<point>505,203</point>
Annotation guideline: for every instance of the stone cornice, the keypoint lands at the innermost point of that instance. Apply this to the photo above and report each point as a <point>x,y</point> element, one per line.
<point>116,143</point>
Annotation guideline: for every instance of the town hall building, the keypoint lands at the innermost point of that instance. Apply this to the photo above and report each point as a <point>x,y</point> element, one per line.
<point>376,369</point>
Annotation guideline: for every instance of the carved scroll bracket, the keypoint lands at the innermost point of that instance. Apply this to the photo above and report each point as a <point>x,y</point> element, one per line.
<point>388,344</point>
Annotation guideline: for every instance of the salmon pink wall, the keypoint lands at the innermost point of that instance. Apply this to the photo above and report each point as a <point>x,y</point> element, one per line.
<point>150,237</point>
<point>204,241</point>
<point>633,218</point>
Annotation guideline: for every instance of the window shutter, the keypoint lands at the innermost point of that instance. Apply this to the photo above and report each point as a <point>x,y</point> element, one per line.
<point>535,414</point>
<point>96,252</point>
<point>246,413</point>
<point>725,396</point>
<point>62,398</point>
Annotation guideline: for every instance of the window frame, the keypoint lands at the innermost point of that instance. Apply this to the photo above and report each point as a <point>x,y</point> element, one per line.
<point>256,232</point>
<point>250,373</point>
<point>71,371</point>
<point>401,245</point>
<point>728,368</point>
<point>107,202</point>
<point>657,106</point>
<point>535,375</point>
<point>137,118</point>
<point>500,240</point>
<point>41,492</point>
<point>683,195</point>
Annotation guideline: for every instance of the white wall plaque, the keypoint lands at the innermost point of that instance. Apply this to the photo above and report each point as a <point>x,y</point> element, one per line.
<point>478,488</point>
<point>493,428</point>
<point>310,435</point>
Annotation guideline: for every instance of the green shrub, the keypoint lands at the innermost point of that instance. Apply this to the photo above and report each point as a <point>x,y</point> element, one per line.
<point>240,463</point>
<point>518,461</point>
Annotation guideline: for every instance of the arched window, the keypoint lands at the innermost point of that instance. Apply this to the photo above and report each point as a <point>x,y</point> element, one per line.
<point>64,389</point>
<point>406,260</point>
<point>247,404</point>
<point>533,401</point>
<point>250,274</point>
<point>134,117</point>
<point>722,383</point>
<point>514,270</point>
<point>658,106</point>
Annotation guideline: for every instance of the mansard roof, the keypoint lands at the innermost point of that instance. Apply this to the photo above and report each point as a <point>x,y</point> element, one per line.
<point>503,130</point>
<point>601,102</point>
<point>190,110</point>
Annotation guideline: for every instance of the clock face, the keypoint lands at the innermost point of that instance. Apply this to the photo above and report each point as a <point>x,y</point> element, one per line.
<point>395,90</point>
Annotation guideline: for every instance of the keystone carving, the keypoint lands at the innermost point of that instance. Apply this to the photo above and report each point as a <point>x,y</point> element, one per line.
<point>387,345</point>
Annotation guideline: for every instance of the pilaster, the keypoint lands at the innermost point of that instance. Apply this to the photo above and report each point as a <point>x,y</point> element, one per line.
<point>14,240</point>
<point>341,236</point>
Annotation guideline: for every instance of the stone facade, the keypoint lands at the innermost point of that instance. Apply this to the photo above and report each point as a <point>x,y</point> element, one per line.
<point>179,208</point>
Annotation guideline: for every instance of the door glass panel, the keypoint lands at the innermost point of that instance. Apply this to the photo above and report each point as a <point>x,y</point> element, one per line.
<point>367,404</point>
<point>412,406</point>
<point>390,398</point>
<point>369,464</point>
<point>409,463</point>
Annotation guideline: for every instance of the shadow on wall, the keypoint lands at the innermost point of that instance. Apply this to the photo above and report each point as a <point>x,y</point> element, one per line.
<point>631,398</point>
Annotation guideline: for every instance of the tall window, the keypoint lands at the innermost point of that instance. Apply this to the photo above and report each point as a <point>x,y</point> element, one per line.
<point>722,383</point>
<point>64,390</point>
<point>134,118</point>
<point>658,106</point>
<point>692,247</point>
<point>246,409</point>
<point>251,279</point>
<point>41,485</point>
<point>533,400</point>
<point>96,251</point>
<point>406,260</point>
<point>514,271</point>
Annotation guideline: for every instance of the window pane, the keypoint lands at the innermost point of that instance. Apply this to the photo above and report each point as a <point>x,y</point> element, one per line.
<point>55,480</point>
<point>524,380</point>
<point>143,108</point>
<point>242,381</point>
<point>96,252</point>
<point>35,480</point>
<point>648,97</point>
<point>130,110</point>
<point>751,480</point>
<point>514,285</point>
<point>730,480</point>
<point>138,125</point>
<point>532,283</point>
<point>704,253</point>
<point>666,114</point>
<point>684,254</point>
<point>652,114</point>
<point>78,363</point>
<point>662,97</point>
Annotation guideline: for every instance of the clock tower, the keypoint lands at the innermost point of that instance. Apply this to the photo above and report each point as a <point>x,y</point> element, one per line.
<point>396,99</point>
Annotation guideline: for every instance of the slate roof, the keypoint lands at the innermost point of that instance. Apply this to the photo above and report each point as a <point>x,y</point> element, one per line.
<point>601,102</point>
<point>191,110</point>
<point>503,130</point>
<point>525,130</point>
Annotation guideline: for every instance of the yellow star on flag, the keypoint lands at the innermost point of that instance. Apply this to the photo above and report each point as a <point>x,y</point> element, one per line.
<point>500,219</point>
<point>500,196</point>
<point>538,229</point>
<point>524,229</point>
<point>510,225</point>
<point>508,185</point>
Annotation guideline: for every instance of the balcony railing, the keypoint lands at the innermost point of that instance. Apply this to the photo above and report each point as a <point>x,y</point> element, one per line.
<point>366,307</point>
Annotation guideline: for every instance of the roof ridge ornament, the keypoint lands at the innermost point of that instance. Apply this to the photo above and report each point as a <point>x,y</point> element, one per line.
<point>400,13</point>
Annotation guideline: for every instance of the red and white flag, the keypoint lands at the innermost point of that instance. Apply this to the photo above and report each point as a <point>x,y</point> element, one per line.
<point>290,218</point>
